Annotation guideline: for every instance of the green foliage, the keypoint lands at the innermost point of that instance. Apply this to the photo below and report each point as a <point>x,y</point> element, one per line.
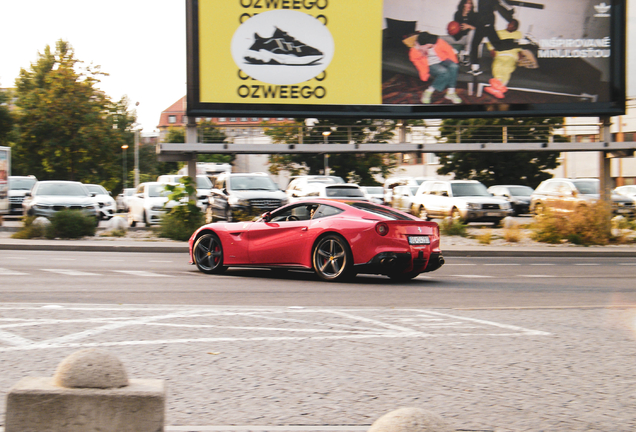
<point>71,224</point>
<point>588,225</point>
<point>184,218</point>
<point>525,168</point>
<point>66,128</point>
<point>453,227</point>
<point>29,229</point>
<point>361,166</point>
<point>6,120</point>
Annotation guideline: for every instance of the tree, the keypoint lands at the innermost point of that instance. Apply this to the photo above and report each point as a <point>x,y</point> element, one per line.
<point>360,167</point>
<point>490,168</point>
<point>6,120</point>
<point>67,129</point>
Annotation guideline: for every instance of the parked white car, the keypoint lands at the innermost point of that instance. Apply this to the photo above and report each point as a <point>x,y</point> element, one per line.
<point>404,197</point>
<point>149,203</point>
<point>107,205</point>
<point>123,199</point>
<point>204,187</point>
<point>374,193</point>
<point>348,191</point>
<point>392,182</point>
<point>466,200</point>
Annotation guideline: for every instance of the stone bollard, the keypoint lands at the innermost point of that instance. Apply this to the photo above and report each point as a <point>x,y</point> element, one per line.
<point>410,420</point>
<point>117,223</point>
<point>89,392</point>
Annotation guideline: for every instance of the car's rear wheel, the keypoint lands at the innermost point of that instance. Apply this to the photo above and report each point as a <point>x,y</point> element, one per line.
<point>423,214</point>
<point>228,214</point>
<point>208,254</point>
<point>332,259</point>
<point>146,219</point>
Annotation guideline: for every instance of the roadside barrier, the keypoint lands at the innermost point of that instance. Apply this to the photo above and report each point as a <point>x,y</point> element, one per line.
<point>89,392</point>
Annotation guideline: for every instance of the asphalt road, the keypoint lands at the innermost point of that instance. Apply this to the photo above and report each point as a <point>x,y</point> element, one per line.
<point>497,344</point>
<point>167,278</point>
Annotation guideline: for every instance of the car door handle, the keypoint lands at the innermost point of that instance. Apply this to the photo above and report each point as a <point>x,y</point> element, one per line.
<point>303,229</point>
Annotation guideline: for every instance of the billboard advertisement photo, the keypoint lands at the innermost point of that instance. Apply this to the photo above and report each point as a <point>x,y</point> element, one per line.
<point>405,58</point>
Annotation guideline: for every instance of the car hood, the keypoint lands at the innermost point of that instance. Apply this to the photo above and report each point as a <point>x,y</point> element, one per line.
<point>255,194</point>
<point>63,200</point>
<point>481,199</point>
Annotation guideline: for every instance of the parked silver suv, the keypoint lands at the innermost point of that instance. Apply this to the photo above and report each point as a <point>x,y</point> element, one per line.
<point>466,200</point>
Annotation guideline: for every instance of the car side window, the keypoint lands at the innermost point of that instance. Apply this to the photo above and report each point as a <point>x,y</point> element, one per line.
<point>326,210</point>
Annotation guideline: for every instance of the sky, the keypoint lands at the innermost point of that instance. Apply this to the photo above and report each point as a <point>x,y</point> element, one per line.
<point>141,44</point>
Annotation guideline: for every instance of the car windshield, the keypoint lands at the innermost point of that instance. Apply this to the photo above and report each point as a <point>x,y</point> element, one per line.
<point>96,189</point>
<point>21,184</point>
<point>252,183</point>
<point>587,186</point>
<point>129,192</point>
<point>332,179</point>
<point>414,189</point>
<point>342,191</point>
<point>61,189</point>
<point>520,190</point>
<point>469,189</point>
<point>378,210</point>
<point>203,183</point>
<point>158,190</point>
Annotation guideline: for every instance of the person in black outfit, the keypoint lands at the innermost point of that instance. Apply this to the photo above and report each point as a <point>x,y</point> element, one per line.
<point>485,28</point>
<point>466,17</point>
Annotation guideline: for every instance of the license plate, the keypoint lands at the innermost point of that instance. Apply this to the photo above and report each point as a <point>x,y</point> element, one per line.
<point>419,240</point>
<point>492,214</point>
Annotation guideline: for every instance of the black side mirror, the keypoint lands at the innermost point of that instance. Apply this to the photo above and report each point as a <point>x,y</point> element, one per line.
<point>267,216</point>
<point>28,194</point>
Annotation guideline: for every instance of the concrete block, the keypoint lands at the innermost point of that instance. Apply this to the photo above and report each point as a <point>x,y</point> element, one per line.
<point>91,368</point>
<point>38,405</point>
<point>410,420</point>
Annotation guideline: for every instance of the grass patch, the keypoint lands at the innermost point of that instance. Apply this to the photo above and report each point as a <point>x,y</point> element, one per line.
<point>512,235</point>
<point>29,230</point>
<point>587,226</point>
<point>453,227</point>
<point>485,237</point>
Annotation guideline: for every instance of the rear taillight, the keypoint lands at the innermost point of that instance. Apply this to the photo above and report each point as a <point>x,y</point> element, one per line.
<point>382,229</point>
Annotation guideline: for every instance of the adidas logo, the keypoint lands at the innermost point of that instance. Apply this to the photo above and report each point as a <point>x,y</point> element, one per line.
<point>602,10</point>
<point>281,49</point>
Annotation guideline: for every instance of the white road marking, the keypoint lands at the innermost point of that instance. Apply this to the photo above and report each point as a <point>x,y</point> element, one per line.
<point>7,272</point>
<point>536,276</point>
<point>141,273</point>
<point>587,264</point>
<point>501,264</point>
<point>627,264</point>
<point>473,276</point>
<point>308,324</point>
<point>68,272</point>
<point>542,264</point>
<point>63,259</point>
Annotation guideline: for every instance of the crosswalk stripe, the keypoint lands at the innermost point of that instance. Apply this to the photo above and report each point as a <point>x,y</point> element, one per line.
<point>69,272</point>
<point>7,272</point>
<point>141,273</point>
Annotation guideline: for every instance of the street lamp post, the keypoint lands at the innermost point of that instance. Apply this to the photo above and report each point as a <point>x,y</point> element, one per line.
<point>125,176</point>
<point>326,134</point>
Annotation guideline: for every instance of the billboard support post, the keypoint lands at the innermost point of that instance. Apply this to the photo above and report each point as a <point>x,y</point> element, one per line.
<point>605,174</point>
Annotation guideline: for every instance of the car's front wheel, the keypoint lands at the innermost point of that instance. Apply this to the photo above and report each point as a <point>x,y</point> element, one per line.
<point>423,214</point>
<point>332,259</point>
<point>131,220</point>
<point>208,254</point>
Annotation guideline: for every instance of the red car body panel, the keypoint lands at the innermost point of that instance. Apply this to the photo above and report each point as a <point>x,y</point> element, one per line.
<point>291,243</point>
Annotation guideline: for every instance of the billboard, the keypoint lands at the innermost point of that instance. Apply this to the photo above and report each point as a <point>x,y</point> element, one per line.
<point>405,58</point>
<point>5,171</point>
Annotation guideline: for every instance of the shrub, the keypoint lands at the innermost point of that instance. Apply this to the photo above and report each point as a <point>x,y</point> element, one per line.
<point>184,218</point>
<point>29,229</point>
<point>70,224</point>
<point>512,235</point>
<point>453,227</point>
<point>485,237</point>
<point>588,225</point>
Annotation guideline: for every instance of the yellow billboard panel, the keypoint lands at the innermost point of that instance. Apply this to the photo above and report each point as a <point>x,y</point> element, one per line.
<point>290,51</point>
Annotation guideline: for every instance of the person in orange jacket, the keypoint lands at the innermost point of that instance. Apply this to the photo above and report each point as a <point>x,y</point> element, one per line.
<point>434,57</point>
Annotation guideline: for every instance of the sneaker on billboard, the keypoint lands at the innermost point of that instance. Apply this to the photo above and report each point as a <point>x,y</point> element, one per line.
<point>475,71</point>
<point>426,96</point>
<point>496,93</point>
<point>453,97</point>
<point>281,49</point>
